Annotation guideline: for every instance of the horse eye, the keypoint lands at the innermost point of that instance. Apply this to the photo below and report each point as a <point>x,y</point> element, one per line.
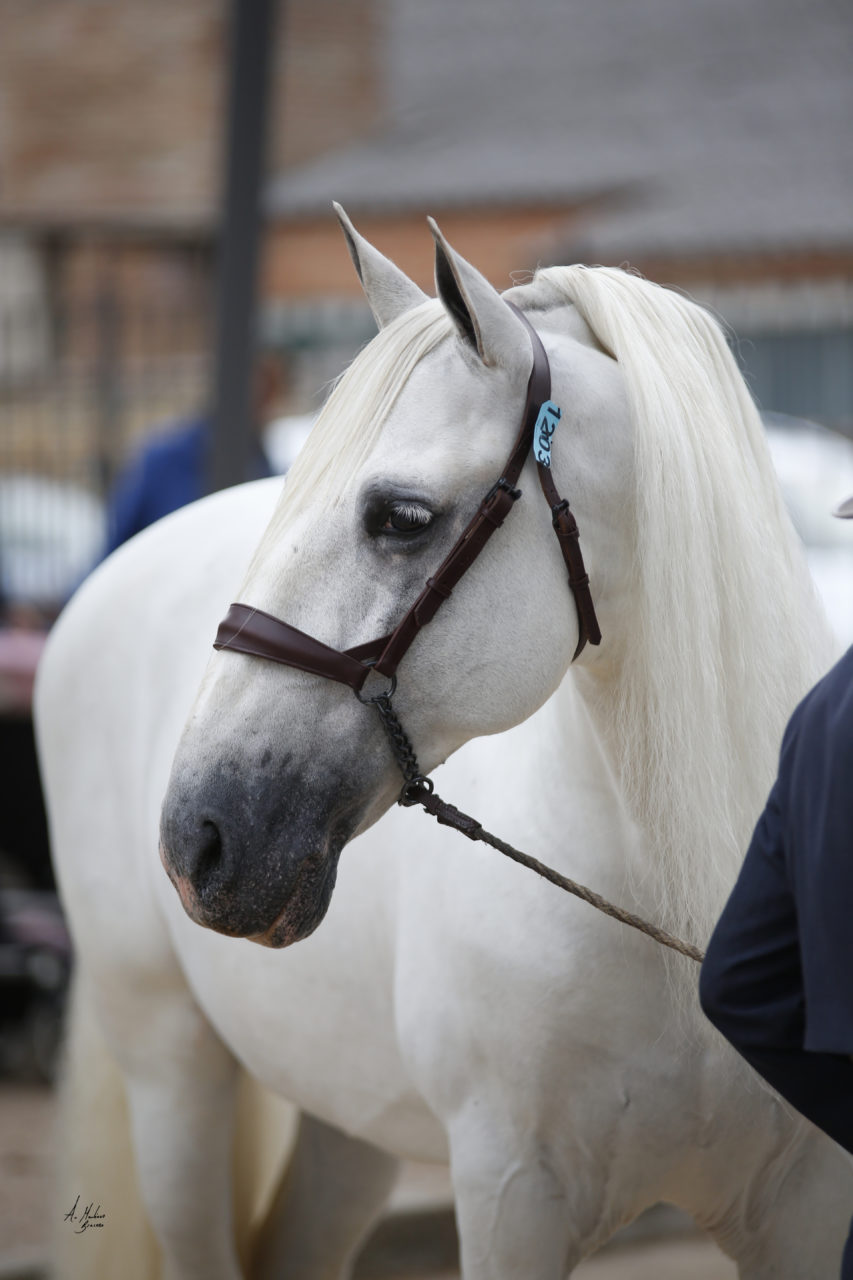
<point>406,517</point>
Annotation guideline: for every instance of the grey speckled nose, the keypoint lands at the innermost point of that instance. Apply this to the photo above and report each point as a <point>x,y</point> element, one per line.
<point>249,867</point>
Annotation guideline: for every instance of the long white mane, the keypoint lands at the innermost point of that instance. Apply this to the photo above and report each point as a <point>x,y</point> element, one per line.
<point>726,633</point>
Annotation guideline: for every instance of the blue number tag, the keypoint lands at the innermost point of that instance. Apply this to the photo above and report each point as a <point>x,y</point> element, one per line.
<point>546,425</point>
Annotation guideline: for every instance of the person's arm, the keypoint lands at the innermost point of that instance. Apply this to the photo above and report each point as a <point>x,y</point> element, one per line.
<point>761,983</point>
<point>126,513</point>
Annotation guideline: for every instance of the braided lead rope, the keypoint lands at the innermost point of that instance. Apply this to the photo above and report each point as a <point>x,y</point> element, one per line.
<point>448,815</point>
<point>418,789</point>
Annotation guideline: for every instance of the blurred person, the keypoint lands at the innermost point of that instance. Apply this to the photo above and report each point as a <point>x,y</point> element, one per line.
<point>776,980</point>
<point>24,846</point>
<point>171,468</point>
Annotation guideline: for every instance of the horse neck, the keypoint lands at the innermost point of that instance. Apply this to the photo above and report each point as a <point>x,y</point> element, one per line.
<point>693,782</point>
<point>574,788</point>
<point>712,632</point>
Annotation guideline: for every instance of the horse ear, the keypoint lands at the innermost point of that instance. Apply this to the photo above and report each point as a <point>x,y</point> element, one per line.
<point>388,290</point>
<point>480,314</point>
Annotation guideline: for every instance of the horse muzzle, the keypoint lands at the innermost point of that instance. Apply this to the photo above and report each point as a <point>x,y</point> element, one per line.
<point>266,875</point>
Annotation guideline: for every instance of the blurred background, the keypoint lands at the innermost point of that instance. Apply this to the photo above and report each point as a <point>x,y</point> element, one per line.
<point>705,143</point>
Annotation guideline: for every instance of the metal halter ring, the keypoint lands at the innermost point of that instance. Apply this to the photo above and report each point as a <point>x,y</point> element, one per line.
<point>370,699</point>
<point>414,789</point>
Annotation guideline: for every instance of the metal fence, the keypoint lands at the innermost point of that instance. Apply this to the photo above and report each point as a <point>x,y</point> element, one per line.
<point>80,383</point>
<point>83,381</point>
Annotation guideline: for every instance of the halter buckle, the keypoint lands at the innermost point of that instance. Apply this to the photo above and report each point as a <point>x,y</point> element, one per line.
<point>504,484</point>
<point>560,509</point>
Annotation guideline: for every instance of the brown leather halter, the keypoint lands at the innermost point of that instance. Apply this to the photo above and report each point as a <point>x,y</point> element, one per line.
<point>254,632</point>
<point>259,634</point>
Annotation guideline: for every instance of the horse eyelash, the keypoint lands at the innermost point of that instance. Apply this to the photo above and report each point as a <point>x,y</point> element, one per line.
<point>411,511</point>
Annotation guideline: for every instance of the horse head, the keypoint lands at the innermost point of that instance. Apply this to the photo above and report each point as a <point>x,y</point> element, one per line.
<point>277,768</point>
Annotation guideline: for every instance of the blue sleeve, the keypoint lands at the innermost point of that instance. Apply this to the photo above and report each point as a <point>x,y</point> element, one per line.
<point>167,473</point>
<point>127,513</point>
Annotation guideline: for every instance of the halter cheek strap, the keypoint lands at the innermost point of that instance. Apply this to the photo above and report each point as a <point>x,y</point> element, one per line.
<point>563,522</point>
<point>251,631</point>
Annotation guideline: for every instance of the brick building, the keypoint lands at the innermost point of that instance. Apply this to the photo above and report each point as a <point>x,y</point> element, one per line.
<point>111,122</point>
<point>706,144</point>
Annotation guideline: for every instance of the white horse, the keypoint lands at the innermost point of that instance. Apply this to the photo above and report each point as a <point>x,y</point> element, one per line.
<point>450,1005</point>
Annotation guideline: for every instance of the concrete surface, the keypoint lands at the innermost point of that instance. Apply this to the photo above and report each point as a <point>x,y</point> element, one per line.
<point>417,1242</point>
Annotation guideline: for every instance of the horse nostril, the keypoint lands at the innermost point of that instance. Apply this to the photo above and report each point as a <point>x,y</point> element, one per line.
<point>208,854</point>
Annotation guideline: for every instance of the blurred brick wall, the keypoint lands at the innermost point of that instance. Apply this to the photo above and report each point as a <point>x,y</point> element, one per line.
<point>109,108</point>
<point>307,258</point>
<point>328,77</point>
<point>113,109</point>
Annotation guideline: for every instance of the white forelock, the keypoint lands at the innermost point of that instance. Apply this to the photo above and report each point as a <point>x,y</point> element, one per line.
<point>349,425</point>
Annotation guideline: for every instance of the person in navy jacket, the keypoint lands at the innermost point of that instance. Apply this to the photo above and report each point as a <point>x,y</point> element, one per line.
<point>170,470</point>
<point>777,980</point>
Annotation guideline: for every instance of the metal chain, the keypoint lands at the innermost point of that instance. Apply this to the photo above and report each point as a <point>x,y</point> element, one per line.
<point>404,752</point>
<point>418,789</point>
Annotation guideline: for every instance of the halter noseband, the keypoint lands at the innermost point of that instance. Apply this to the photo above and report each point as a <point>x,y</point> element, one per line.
<point>254,632</point>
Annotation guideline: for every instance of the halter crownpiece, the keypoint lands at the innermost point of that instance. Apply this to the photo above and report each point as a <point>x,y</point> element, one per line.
<point>259,634</point>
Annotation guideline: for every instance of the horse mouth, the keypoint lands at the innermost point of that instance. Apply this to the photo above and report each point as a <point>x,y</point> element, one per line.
<point>305,905</point>
<point>307,902</point>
